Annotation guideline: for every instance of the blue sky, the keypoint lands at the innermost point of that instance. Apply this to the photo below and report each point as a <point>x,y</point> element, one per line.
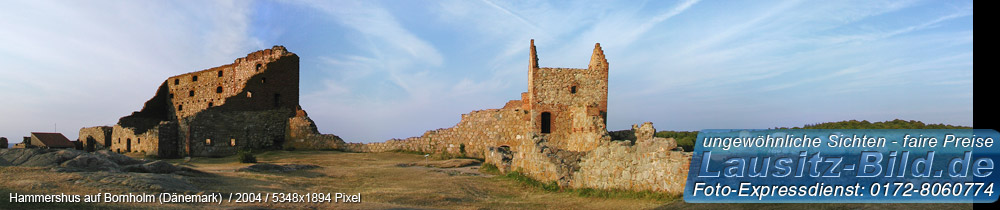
<point>375,70</point>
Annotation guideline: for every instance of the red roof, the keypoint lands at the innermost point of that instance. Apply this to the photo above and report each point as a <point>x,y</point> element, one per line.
<point>52,140</point>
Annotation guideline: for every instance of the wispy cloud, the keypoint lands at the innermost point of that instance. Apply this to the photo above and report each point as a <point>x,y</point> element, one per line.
<point>79,64</point>
<point>373,70</point>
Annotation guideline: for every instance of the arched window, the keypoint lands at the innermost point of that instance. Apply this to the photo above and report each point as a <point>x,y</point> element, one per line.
<point>194,78</point>
<point>209,104</point>
<point>258,67</point>
<point>220,73</point>
<point>191,93</point>
<point>572,90</point>
<point>179,108</point>
<point>218,89</point>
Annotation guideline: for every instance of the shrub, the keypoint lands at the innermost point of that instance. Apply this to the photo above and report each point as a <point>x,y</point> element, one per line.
<point>246,156</point>
<point>489,168</point>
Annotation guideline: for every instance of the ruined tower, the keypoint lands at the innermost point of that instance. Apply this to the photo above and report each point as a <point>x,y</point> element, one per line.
<point>217,111</point>
<point>568,105</point>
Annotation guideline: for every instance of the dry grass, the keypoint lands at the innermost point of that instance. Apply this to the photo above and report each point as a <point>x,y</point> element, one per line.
<point>377,177</point>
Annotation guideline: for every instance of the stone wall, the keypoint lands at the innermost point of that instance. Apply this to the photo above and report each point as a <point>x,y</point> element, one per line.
<point>571,102</point>
<point>263,80</point>
<point>477,131</point>
<point>219,133</point>
<point>160,140</point>
<point>96,138</point>
<point>302,133</point>
<point>217,111</point>
<point>649,165</point>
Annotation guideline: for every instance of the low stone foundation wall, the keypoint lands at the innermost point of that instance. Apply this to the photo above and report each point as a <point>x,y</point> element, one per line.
<point>649,165</point>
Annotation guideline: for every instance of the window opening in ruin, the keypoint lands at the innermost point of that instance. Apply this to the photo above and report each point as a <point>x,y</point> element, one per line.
<point>179,108</point>
<point>546,122</point>
<point>277,99</point>
<point>191,93</point>
<point>138,141</point>
<point>128,145</point>
<point>249,94</point>
<point>209,104</point>
<point>263,80</point>
<point>177,81</point>
<point>258,67</point>
<point>171,95</point>
<point>232,142</point>
<point>218,89</point>
<point>572,90</point>
<point>208,141</point>
<point>194,78</point>
<point>220,73</point>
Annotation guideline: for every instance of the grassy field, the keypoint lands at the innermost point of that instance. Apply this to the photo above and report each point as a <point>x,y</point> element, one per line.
<point>382,183</point>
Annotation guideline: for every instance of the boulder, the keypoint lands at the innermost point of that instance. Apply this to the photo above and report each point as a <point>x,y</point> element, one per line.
<point>18,156</point>
<point>160,167</point>
<point>118,158</point>
<point>91,162</point>
<point>51,158</point>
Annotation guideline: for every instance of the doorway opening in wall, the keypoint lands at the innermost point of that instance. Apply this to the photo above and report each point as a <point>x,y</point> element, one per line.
<point>546,122</point>
<point>128,145</point>
<point>90,144</point>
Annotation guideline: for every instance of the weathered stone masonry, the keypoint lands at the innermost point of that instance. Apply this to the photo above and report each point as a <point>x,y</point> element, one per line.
<point>557,133</point>
<point>218,111</point>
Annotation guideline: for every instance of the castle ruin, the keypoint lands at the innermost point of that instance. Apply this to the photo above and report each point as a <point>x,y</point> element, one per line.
<point>250,104</point>
<point>557,132</point>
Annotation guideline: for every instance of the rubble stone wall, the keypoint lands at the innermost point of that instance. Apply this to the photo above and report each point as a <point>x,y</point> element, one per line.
<point>302,133</point>
<point>95,138</point>
<point>219,133</point>
<point>159,140</point>
<point>649,165</point>
<point>476,132</point>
